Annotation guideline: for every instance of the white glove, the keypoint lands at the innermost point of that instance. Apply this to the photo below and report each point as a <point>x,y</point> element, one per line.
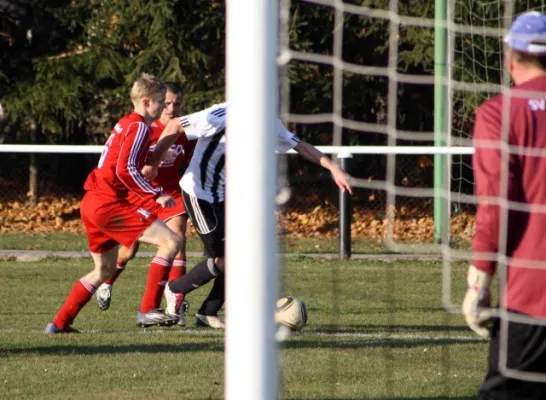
<point>476,301</point>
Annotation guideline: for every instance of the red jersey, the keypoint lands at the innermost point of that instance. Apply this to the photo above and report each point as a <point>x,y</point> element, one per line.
<point>526,233</point>
<point>170,172</point>
<point>122,159</point>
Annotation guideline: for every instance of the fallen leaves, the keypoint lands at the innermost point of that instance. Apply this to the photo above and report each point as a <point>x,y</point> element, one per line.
<point>53,214</point>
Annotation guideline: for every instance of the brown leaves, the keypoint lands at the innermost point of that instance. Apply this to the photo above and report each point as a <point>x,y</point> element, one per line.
<point>49,215</point>
<point>409,225</point>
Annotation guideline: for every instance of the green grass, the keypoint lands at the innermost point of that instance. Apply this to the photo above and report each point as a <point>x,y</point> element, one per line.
<point>376,331</point>
<point>71,241</point>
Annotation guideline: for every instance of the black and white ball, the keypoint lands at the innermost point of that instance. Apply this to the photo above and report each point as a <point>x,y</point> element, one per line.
<point>291,312</point>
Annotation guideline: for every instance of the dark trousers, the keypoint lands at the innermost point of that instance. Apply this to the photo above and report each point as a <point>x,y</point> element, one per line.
<point>526,352</point>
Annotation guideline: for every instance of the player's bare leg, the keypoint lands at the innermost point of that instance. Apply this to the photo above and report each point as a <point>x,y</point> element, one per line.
<point>179,307</point>
<point>168,245</point>
<point>83,290</point>
<point>104,291</point>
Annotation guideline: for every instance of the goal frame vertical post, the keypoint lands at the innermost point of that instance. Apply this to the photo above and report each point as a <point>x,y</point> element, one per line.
<point>440,45</point>
<point>251,263</point>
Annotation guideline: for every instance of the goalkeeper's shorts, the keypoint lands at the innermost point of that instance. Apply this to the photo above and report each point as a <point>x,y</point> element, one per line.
<point>526,352</point>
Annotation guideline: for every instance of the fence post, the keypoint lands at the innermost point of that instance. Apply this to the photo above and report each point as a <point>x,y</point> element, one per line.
<point>345,211</point>
<point>33,168</point>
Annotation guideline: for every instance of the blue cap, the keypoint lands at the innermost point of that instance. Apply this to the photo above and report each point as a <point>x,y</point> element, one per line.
<point>528,33</point>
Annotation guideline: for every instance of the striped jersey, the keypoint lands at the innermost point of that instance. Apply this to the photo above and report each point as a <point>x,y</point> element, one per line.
<point>118,171</point>
<point>205,176</point>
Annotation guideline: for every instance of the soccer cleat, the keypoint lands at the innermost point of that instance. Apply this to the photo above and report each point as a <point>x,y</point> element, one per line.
<point>176,306</point>
<point>104,296</point>
<point>156,317</point>
<point>181,319</point>
<point>52,329</point>
<point>211,321</point>
<point>185,307</point>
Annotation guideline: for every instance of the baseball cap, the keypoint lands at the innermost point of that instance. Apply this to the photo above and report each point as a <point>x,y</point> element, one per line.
<point>528,33</point>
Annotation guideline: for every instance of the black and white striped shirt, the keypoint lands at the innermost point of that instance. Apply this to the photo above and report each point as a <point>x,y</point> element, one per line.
<point>205,177</point>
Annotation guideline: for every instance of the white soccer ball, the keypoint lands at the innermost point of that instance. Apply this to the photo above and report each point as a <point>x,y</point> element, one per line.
<point>291,312</point>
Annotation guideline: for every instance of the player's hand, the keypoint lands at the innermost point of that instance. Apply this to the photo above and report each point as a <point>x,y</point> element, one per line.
<point>149,172</point>
<point>342,179</point>
<point>165,201</point>
<point>477,300</point>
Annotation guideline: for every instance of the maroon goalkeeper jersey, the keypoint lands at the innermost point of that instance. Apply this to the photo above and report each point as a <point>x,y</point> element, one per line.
<point>122,159</point>
<point>526,186</point>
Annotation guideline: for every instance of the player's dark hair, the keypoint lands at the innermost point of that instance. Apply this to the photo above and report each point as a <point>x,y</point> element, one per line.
<point>526,58</point>
<point>173,87</point>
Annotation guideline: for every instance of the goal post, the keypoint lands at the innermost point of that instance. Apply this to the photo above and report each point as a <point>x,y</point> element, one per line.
<point>251,262</point>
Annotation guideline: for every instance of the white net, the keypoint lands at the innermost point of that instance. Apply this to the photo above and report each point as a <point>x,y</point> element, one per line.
<point>475,60</point>
<point>370,82</point>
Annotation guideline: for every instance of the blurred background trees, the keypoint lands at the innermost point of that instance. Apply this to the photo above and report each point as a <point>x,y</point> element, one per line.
<point>66,65</point>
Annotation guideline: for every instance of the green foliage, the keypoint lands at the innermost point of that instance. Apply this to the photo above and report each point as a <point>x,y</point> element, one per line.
<point>75,74</point>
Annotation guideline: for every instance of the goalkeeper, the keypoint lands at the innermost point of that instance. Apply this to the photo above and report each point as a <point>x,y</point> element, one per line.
<point>508,166</point>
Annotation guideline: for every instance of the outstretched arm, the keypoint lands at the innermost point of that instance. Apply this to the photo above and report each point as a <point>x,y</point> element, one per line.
<point>168,137</point>
<point>311,153</point>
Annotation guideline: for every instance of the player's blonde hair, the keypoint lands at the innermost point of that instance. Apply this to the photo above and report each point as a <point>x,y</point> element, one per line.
<point>146,85</point>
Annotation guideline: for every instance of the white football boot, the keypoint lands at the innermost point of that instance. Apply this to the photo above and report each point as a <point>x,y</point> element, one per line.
<point>156,317</point>
<point>176,306</point>
<point>212,321</point>
<point>104,296</point>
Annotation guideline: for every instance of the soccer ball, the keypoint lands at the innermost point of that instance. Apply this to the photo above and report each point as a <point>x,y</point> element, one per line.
<point>291,312</point>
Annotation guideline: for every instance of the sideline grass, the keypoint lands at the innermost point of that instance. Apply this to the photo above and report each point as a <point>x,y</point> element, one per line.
<point>376,331</point>
<point>71,241</point>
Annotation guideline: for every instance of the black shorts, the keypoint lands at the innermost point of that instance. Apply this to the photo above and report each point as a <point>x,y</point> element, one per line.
<point>209,222</point>
<point>526,352</point>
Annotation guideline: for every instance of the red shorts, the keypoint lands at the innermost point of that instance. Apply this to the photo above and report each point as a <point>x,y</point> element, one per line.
<point>108,223</point>
<point>164,214</point>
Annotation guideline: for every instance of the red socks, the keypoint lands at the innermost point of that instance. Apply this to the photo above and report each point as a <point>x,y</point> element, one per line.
<point>157,278</point>
<point>119,269</point>
<point>178,269</point>
<point>80,294</point>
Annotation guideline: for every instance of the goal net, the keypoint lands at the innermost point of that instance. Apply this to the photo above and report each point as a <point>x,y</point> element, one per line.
<point>361,73</point>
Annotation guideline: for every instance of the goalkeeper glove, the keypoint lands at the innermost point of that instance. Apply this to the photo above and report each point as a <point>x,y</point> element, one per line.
<point>476,299</point>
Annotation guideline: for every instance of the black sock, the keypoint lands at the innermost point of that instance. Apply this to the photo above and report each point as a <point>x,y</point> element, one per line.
<point>215,300</point>
<point>198,276</point>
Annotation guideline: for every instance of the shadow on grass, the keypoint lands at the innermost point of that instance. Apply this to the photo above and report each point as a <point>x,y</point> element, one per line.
<point>343,328</point>
<point>377,343</point>
<point>71,349</point>
<point>388,398</point>
<point>428,398</point>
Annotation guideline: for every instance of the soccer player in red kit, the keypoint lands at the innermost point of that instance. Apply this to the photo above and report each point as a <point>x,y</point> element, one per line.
<point>110,217</point>
<point>509,135</point>
<point>169,174</point>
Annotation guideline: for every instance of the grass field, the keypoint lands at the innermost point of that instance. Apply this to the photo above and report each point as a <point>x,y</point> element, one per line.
<point>376,331</point>
<point>71,241</point>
